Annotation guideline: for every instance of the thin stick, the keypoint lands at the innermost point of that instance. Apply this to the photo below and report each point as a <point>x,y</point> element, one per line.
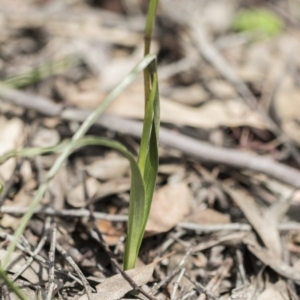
<point>173,273</point>
<point>189,146</point>
<point>79,213</point>
<point>176,284</point>
<point>51,263</point>
<point>36,251</point>
<point>70,260</point>
<point>200,288</point>
<point>9,237</point>
<point>241,267</point>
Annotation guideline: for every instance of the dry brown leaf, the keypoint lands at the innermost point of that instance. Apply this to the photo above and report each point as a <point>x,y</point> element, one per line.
<point>112,187</point>
<point>108,168</point>
<point>22,199</point>
<point>191,95</point>
<point>45,137</point>
<point>221,89</point>
<point>170,205</point>
<point>269,259</point>
<point>35,274</point>
<point>116,286</point>
<point>110,234</point>
<point>11,137</point>
<point>97,190</point>
<point>287,104</point>
<point>208,216</point>
<point>265,227</point>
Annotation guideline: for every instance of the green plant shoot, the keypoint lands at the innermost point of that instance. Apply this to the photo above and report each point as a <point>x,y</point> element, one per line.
<point>139,208</point>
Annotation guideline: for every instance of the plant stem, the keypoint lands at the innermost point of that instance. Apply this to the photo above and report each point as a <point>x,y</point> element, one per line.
<point>147,83</point>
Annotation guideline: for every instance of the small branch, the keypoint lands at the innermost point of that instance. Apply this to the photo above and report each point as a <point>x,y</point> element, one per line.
<point>173,273</point>
<point>200,288</point>
<point>51,263</point>
<point>79,213</point>
<point>189,146</point>
<point>69,259</point>
<point>176,284</point>
<point>36,251</point>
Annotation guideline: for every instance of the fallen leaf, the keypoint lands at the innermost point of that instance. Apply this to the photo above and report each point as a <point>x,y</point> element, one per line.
<point>170,205</point>
<point>286,106</point>
<point>207,216</point>
<point>110,234</point>
<point>269,259</point>
<point>112,187</point>
<point>11,137</point>
<point>221,89</point>
<point>116,286</point>
<point>266,226</point>
<point>96,190</point>
<point>191,95</point>
<point>45,137</point>
<point>22,199</point>
<point>108,168</point>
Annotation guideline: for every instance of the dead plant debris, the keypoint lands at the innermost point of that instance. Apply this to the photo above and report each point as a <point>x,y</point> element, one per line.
<point>225,216</point>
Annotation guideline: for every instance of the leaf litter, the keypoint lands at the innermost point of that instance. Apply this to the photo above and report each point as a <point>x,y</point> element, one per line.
<point>199,209</point>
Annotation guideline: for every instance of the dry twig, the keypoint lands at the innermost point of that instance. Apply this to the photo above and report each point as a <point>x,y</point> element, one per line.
<point>188,145</point>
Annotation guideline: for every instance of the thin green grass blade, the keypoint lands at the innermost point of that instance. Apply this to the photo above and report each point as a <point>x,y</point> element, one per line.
<point>42,72</point>
<point>68,149</point>
<point>137,191</point>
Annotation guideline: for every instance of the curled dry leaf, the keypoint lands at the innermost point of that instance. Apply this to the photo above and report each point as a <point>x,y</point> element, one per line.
<point>116,286</point>
<point>170,205</point>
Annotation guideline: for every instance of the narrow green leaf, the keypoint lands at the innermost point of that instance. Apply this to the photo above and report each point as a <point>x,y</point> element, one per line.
<point>148,155</point>
<point>148,164</point>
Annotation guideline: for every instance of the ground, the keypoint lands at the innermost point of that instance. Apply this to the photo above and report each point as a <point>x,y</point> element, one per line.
<point>224,221</point>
